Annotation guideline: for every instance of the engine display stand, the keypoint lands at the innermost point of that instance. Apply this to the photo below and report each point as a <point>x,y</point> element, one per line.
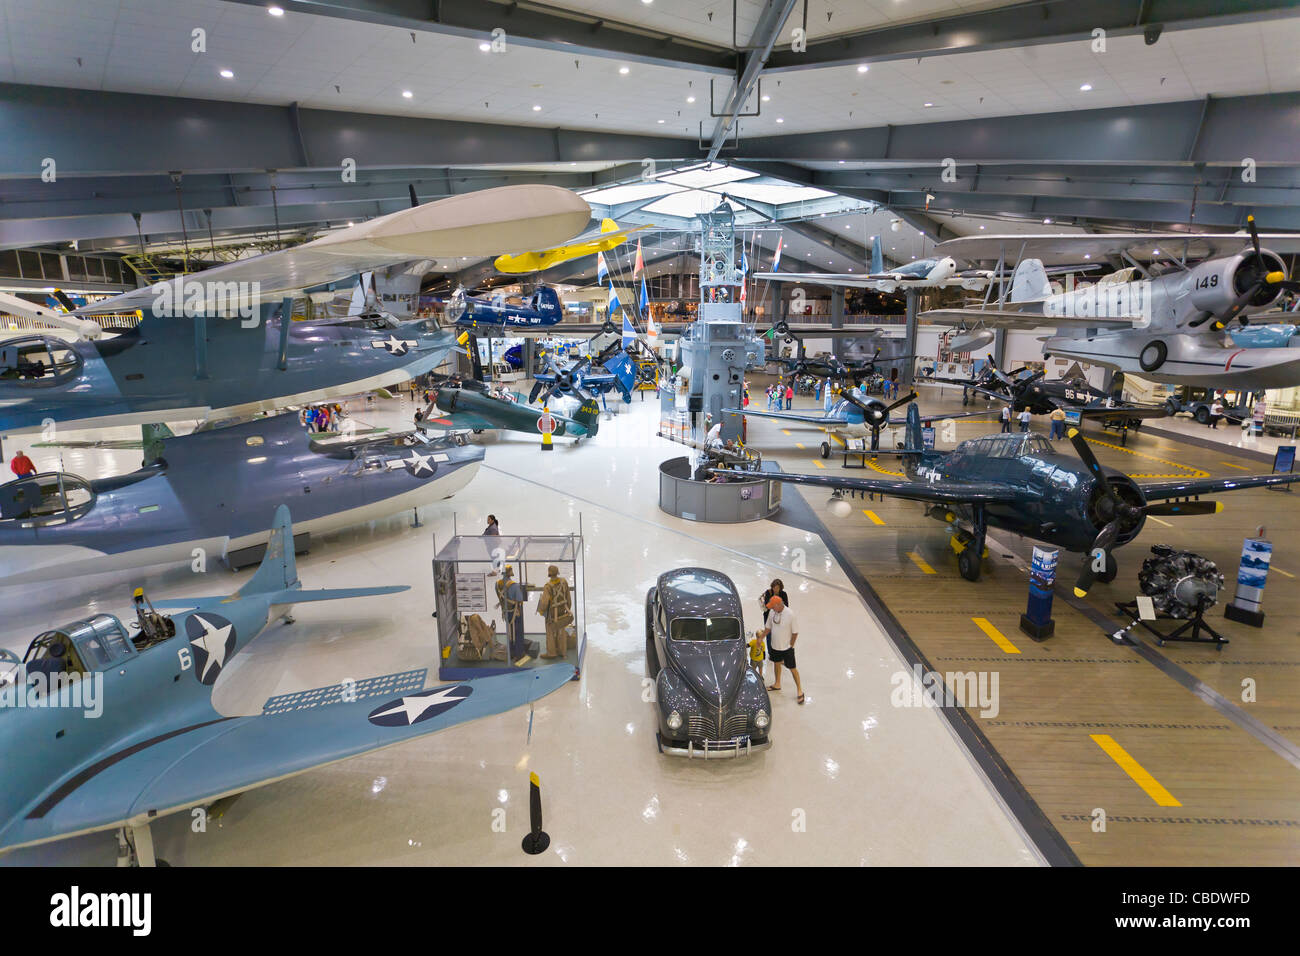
<point>1196,625</point>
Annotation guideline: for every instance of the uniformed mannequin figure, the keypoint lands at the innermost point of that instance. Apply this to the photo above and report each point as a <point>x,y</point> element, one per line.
<point>511,598</point>
<point>557,605</point>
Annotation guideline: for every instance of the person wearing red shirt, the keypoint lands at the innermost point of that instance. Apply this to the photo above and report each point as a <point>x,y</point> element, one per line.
<point>22,466</point>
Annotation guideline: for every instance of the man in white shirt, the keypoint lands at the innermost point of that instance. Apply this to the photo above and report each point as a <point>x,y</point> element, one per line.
<point>1006,418</point>
<point>1024,420</point>
<point>781,634</point>
<point>1216,413</point>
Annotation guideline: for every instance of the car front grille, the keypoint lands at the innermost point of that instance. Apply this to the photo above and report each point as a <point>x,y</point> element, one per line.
<point>705,727</point>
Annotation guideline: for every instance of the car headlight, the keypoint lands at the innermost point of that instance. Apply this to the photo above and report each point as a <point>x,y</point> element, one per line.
<point>674,721</point>
<point>761,720</point>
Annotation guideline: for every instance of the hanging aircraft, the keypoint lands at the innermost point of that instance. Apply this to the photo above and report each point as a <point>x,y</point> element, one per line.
<point>580,379</point>
<point>540,309</point>
<point>210,490</point>
<point>210,345</point>
<point>609,237</point>
<point>163,746</point>
<point>481,410</point>
<point>828,366</point>
<point>932,272</point>
<point>1173,325</point>
<point>1019,482</point>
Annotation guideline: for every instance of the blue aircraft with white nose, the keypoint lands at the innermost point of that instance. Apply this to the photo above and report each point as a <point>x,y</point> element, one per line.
<point>109,727</point>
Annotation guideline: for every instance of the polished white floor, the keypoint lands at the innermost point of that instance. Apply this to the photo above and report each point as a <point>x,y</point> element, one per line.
<point>850,779</point>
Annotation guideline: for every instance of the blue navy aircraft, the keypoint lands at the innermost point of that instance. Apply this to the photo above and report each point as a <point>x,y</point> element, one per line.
<point>208,490</point>
<point>1020,483</point>
<point>159,745</point>
<point>581,379</point>
<point>209,346</point>
<point>541,309</point>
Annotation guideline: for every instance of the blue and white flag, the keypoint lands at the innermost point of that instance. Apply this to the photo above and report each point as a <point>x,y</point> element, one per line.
<point>602,270</point>
<point>614,304</point>
<point>629,333</point>
<point>776,259</point>
<point>644,303</point>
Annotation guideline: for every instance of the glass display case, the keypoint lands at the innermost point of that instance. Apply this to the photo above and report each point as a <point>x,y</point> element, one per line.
<point>499,608</point>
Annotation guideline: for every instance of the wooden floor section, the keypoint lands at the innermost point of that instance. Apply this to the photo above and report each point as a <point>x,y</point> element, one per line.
<point>1091,728</point>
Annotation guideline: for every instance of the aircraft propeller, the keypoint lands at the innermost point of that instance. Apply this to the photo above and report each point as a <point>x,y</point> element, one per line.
<point>1261,277</point>
<point>457,304</point>
<point>565,381</point>
<point>1117,512</point>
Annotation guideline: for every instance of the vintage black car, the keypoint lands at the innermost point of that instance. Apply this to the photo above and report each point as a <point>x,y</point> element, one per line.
<point>711,702</point>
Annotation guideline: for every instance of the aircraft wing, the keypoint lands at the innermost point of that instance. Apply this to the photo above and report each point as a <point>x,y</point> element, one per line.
<point>477,224</point>
<point>948,491</point>
<point>1142,246</point>
<point>821,421</point>
<point>1008,319</point>
<point>853,280</point>
<point>1160,490</point>
<point>460,419</point>
<point>1118,411</point>
<point>217,756</point>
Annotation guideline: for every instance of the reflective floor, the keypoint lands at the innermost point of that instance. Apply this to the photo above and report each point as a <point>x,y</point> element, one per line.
<point>850,778</point>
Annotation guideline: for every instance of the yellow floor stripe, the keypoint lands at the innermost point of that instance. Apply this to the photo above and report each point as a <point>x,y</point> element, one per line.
<point>818,463</point>
<point>1231,465</point>
<point>884,471</point>
<point>800,444</point>
<point>875,518</point>
<point>1280,571</point>
<point>785,431</point>
<point>1194,472</point>
<point>920,563</point>
<point>995,635</point>
<point>1159,794</point>
<point>1158,521</point>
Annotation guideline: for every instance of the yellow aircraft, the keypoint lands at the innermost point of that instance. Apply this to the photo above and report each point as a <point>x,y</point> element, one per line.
<point>610,236</point>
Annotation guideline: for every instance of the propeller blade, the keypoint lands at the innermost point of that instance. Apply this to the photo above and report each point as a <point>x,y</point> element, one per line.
<point>1179,508</point>
<point>532,396</point>
<point>1090,460</point>
<point>1254,233</point>
<point>411,189</point>
<point>1102,542</point>
<point>902,401</point>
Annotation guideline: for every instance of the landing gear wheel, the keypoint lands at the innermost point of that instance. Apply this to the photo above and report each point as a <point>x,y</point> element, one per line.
<point>826,450</point>
<point>1171,407</point>
<point>968,563</point>
<point>1153,355</point>
<point>1112,569</point>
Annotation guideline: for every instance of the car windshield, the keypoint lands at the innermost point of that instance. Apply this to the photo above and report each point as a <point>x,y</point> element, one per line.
<point>705,629</point>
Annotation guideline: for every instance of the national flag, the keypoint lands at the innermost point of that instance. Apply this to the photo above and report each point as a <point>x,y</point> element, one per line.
<point>602,270</point>
<point>639,267</point>
<point>629,333</point>
<point>614,304</point>
<point>776,258</point>
<point>644,303</point>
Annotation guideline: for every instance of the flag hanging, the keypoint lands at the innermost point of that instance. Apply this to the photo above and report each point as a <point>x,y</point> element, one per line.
<point>776,258</point>
<point>602,270</point>
<point>645,298</point>
<point>639,267</point>
<point>629,333</point>
<point>614,304</point>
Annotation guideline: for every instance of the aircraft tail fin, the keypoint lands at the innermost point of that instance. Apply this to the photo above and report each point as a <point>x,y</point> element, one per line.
<point>278,570</point>
<point>470,341</point>
<point>1030,282</point>
<point>608,225</point>
<point>914,440</point>
<point>624,372</point>
<point>588,416</point>
<point>548,303</point>
<point>877,256</point>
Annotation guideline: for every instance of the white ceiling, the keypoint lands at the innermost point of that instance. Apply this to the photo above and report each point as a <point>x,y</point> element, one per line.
<point>144,46</point>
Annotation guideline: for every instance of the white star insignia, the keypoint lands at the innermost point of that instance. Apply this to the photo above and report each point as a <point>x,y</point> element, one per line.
<point>413,708</point>
<point>213,643</point>
<point>418,463</point>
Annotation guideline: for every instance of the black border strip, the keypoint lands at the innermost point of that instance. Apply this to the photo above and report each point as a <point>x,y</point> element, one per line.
<point>1045,837</point>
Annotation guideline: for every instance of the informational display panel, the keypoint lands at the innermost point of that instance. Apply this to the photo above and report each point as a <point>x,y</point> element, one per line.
<point>471,592</point>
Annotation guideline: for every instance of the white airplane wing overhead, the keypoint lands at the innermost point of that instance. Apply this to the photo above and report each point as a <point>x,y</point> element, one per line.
<point>478,224</point>
<point>852,280</point>
<point>1142,246</point>
<point>997,319</point>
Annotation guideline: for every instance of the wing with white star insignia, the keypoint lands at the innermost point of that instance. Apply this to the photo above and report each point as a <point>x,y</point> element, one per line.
<point>394,345</point>
<point>214,756</point>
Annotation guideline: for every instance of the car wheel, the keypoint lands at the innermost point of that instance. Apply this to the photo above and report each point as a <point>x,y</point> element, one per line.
<point>826,450</point>
<point>968,563</point>
<point>1153,355</point>
<point>1203,415</point>
<point>1171,407</point>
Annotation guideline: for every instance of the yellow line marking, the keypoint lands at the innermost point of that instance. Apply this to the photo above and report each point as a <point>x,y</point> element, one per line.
<point>884,471</point>
<point>1159,794</point>
<point>995,635</point>
<point>818,463</point>
<point>920,563</point>
<point>785,431</point>
<point>875,518</point>
<point>1193,472</point>
<point>1287,573</point>
<point>1158,521</point>
<point>800,444</point>
<point>1231,465</point>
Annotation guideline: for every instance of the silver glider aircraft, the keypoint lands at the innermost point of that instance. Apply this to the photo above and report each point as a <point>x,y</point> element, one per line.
<point>210,489</point>
<point>220,342</point>
<point>934,272</point>
<point>158,744</point>
<point>1172,324</point>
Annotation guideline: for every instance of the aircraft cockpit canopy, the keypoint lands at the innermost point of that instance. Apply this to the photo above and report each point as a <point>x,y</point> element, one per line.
<point>45,499</point>
<point>37,360</point>
<point>93,644</point>
<point>1013,445</point>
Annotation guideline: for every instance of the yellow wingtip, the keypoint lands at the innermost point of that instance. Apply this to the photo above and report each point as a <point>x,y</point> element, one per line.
<point>1218,506</point>
<point>1250,218</point>
<point>608,225</point>
<point>534,780</point>
<point>1080,592</point>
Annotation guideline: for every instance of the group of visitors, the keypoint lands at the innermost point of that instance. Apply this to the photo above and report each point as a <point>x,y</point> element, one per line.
<point>780,395</point>
<point>780,632</point>
<point>322,418</point>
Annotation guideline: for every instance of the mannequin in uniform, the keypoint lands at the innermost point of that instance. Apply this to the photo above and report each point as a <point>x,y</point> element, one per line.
<point>557,605</point>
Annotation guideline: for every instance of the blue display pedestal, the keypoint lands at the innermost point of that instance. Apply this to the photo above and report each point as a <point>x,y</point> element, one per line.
<point>1252,574</point>
<point>1037,620</point>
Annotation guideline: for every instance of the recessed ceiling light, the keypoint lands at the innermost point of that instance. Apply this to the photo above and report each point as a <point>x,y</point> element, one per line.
<point>1086,87</point>
<point>690,99</point>
<point>981,227</point>
<point>1047,222</point>
<point>928,105</point>
<point>228,74</point>
<point>659,121</point>
<point>766,98</point>
<point>1155,252</point>
<point>624,70</point>
<point>862,68</point>
<point>407,94</point>
<point>780,120</point>
<point>275,11</point>
<point>1087,255</point>
<point>536,108</point>
<point>485,47</point>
